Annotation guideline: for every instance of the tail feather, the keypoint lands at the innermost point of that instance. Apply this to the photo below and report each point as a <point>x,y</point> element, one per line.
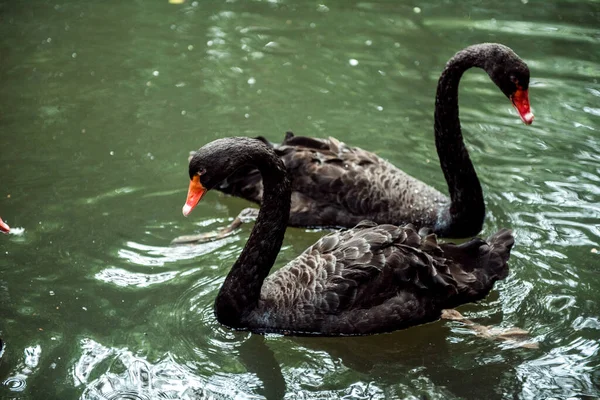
<point>500,245</point>
<point>477,264</point>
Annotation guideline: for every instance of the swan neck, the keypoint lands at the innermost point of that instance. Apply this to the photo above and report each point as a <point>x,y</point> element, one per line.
<point>240,292</point>
<point>464,215</point>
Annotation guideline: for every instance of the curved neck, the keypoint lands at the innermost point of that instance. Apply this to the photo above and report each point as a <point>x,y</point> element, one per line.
<point>240,292</point>
<point>467,208</point>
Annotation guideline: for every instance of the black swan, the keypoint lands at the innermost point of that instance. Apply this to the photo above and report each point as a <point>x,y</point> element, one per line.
<point>368,279</point>
<point>3,227</point>
<point>334,185</point>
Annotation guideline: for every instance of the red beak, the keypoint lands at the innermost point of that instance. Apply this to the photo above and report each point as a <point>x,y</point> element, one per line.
<point>195,193</point>
<point>3,227</point>
<point>520,100</point>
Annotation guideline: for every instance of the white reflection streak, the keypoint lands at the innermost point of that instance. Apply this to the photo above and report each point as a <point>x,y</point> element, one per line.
<point>18,380</point>
<point>564,370</point>
<point>142,379</point>
<point>159,256</point>
<point>155,256</point>
<point>124,278</point>
<point>93,353</point>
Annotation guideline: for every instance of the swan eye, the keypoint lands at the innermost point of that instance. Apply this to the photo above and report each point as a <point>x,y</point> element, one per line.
<point>515,81</point>
<point>201,171</point>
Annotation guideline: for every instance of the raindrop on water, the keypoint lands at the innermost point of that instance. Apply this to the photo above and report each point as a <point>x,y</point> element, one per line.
<point>16,383</point>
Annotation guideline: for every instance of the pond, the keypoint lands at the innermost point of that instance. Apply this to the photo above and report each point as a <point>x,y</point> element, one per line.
<point>101,102</point>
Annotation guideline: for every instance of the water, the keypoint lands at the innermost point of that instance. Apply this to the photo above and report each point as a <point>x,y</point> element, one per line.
<point>100,103</point>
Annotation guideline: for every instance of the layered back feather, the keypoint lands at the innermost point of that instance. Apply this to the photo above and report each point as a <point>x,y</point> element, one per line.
<point>335,185</point>
<point>377,278</point>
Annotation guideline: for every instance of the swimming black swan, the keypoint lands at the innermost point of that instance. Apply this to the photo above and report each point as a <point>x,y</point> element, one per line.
<point>368,279</point>
<point>334,185</point>
<point>3,227</point>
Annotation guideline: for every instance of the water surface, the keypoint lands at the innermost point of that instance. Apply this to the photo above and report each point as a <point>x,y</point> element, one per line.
<point>100,103</point>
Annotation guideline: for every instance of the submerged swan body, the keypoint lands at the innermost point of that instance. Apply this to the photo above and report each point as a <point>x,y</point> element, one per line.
<point>335,185</point>
<point>368,279</point>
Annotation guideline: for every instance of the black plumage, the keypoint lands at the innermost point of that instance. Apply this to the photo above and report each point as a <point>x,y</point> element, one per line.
<point>368,279</point>
<point>335,185</point>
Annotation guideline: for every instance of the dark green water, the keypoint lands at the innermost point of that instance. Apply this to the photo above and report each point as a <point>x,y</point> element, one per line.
<point>100,103</point>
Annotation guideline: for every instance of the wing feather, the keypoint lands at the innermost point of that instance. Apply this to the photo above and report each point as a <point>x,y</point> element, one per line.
<point>379,278</point>
<point>335,185</point>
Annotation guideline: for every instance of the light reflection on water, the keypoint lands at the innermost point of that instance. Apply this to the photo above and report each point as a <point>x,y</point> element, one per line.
<point>140,254</point>
<point>112,373</point>
<point>17,380</point>
<point>570,370</point>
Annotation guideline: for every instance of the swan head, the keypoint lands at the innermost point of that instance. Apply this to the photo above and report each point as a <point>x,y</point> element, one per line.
<point>213,163</point>
<point>3,227</point>
<point>510,73</point>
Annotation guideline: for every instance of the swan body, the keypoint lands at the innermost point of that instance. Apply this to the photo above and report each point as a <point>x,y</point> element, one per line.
<point>375,278</point>
<point>368,279</point>
<point>336,185</point>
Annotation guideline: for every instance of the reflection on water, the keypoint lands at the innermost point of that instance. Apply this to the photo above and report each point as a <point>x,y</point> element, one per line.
<point>570,370</point>
<point>156,256</point>
<point>140,254</point>
<point>17,380</point>
<point>111,374</point>
<point>121,277</point>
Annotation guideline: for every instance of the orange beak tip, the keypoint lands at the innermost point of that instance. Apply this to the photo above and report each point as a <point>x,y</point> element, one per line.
<point>195,193</point>
<point>520,100</point>
<point>527,118</point>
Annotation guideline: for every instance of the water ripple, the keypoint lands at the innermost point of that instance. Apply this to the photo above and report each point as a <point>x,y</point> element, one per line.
<point>141,254</point>
<point>564,371</point>
<point>124,278</point>
<point>17,382</point>
<point>123,375</point>
<point>526,28</point>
